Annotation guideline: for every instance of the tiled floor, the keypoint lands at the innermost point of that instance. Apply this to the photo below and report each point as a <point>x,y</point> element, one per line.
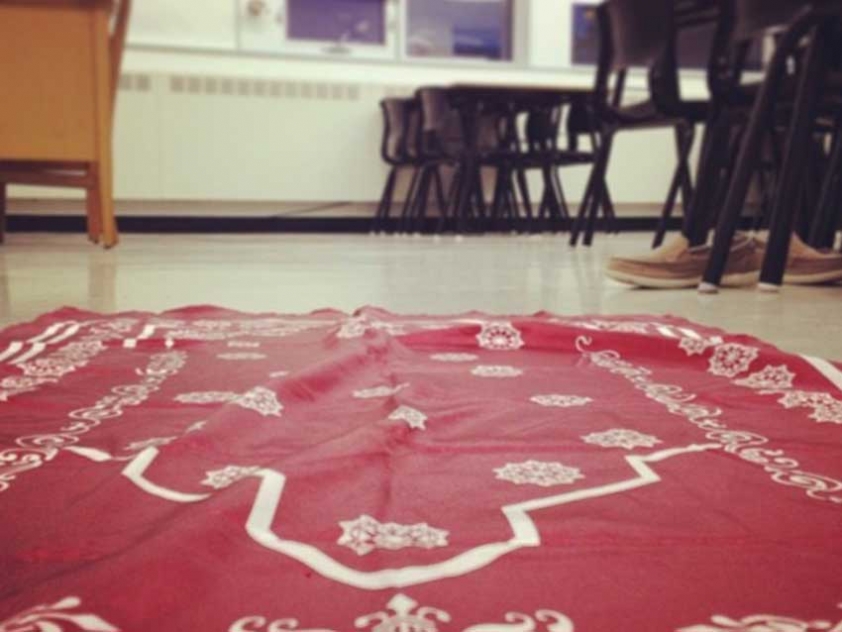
<point>39,273</point>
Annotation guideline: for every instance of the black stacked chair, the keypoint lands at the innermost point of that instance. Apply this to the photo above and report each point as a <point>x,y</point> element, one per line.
<point>636,34</point>
<point>540,151</point>
<point>403,147</point>
<point>801,92</point>
<point>397,115</point>
<point>442,144</point>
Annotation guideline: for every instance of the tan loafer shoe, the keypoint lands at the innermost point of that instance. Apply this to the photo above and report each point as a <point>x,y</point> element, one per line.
<point>676,265</point>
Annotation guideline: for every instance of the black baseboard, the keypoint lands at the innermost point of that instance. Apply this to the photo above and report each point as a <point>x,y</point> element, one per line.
<point>292,225</point>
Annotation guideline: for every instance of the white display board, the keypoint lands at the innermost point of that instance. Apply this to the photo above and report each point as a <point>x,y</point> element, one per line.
<point>210,24</point>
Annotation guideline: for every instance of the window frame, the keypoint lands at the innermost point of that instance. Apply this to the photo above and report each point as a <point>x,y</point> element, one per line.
<point>282,44</point>
<point>519,34</point>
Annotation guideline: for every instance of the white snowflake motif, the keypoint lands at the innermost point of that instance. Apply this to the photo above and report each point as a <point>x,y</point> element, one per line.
<point>805,399</point>
<point>560,401</point>
<point>485,370</point>
<point>227,476</point>
<point>48,367</point>
<point>414,418</point>
<point>621,438</point>
<point>830,413</point>
<point>379,391</point>
<point>261,400</point>
<point>697,346</point>
<point>731,359</point>
<point>500,336</point>
<point>82,350</point>
<point>365,534</point>
<point>22,382</point>
<point>771,378</point>
<point>156,442</point>
<point>242,344</point>
<point>209,397</point>
<point>241,356</point>
<point>540,473</point>
<point>453,357</point>
<point>617,326</point>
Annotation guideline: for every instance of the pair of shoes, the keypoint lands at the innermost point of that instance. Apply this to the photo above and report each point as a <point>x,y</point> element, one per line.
<point>676,265</point>
<point>808,266</point>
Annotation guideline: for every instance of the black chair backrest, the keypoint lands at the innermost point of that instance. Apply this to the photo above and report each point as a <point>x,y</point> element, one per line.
<point>753,18</point>
<point>396,114</point>
<point>640,32</point>
<point>441,130</point>
<point>635,34</point>
<point>542,128</point>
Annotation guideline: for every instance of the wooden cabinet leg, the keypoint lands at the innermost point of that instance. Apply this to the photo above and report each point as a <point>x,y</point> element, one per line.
<point>3,202</point>
<point>105,194</point>
<point>93,206</point>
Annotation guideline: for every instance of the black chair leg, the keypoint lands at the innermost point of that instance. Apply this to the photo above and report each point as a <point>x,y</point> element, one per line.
<point>410,200</point>
<point>679,183</point>
<point>381,217</point>
<point>823,230</point>
<point>441,198</point>
<point>761,116</point>
<point>451,206</point>
<point>799,143</point>
<point>523,187</point>
<point>422,200</point>
<point>601,171</point>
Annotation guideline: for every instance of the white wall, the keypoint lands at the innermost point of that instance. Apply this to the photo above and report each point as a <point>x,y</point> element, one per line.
<point>308,130</point>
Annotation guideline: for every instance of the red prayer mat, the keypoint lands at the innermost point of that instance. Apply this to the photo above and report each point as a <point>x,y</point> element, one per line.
<point>210,470</point>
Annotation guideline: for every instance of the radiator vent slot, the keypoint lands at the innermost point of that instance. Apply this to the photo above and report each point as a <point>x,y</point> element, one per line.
<point>264,88</point>
<point>132,82</point>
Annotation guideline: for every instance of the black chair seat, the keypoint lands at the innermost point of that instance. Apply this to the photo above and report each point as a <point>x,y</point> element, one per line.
<point>646,114</point>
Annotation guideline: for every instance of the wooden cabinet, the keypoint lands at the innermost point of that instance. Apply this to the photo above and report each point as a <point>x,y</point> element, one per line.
<point>59,67</point>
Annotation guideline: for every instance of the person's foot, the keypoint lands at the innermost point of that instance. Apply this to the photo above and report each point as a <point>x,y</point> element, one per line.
<point>808,266</point>
<point>676,265</point>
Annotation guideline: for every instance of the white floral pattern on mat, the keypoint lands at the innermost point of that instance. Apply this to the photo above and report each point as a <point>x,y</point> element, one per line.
<point>57,617</point>
<point>731,359</point>
<point>155,442</point>
<point>454,357</point>
<point>697,346</point>
<point>227,476</point>
<point>33,451</point>
<point>826,408</point>
<point>261,400</point>
<point>540,473</point>
<point>48,367</point>
<point>241,356</point>
<point>365,534</point>
<point>762,623</point>
<point>771,378</point>
<point>496,371</point>
<point>207,397</point>
<point>379,391</point>
<point>561,401</point>
<point>404,614</point>
<point>413,417</point>
<point>749,446</point>
<point>615,326</point>
<point>258,399</point>
<point>71,357</point>
<point>502,336</point>
<point>621,438</point>
<point>243,344</point>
